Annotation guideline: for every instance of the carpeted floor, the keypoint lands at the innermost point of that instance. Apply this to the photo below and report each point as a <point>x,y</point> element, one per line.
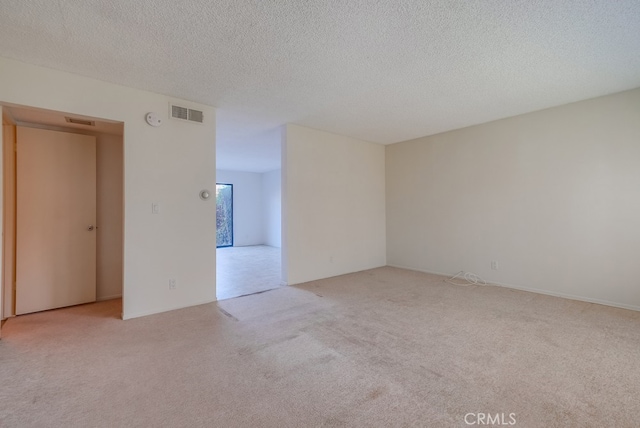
<point>247,270</point>
<point>380,348</point>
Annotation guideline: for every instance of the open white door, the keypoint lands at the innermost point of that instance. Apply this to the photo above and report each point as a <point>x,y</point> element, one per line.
<point>56,218</point>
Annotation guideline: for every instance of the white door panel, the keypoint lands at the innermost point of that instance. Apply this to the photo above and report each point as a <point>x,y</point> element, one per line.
<point>56,204</point>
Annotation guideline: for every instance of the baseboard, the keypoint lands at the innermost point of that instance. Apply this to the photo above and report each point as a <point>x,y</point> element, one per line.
<point>112,297</point>
<point>335,275</point>
<point>159,311</point>
<point>421,270</point>
<point>535,290</point>
<point>570,296</point>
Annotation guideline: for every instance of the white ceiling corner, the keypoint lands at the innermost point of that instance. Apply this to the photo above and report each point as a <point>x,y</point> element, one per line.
<point>382,71</point>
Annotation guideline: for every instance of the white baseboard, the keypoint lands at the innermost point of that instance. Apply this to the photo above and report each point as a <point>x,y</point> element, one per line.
<point>421,270</point>
<point>536,290</point>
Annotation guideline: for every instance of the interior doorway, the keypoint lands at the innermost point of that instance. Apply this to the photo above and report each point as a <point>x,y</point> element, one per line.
<point>50,159</point>
<point>248,220</point>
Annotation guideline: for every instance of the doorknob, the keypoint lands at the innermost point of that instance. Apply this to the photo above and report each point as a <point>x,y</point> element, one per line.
<point>90,228</point>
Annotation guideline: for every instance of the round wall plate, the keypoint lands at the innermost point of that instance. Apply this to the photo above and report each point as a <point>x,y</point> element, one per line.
<point>153,119</point>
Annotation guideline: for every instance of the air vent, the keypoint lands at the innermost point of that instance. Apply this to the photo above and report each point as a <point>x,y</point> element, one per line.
<point>195,116</point>
<point>184,113</point>
<point>80,121</point>
<point>178,112</point>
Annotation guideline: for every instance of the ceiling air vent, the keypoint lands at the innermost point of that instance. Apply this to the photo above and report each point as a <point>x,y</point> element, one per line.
<point>184,113</point>
<point>80,121</point>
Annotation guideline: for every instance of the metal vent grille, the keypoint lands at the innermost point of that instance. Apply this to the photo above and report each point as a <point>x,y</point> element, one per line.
<point>196,116</point>
<point>80,121</point>
<point>184,113</point>
<point>178,112</point>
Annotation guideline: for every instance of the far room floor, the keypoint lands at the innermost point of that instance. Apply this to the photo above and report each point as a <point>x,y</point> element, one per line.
<point>247,270</point>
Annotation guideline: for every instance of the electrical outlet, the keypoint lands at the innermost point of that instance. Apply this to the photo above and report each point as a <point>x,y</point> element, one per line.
<point>155,208</point>
<point>494,265</point>
<point>172,284</point>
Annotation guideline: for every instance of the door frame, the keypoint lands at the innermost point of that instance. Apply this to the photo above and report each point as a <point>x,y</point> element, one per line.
<point>8,213</point>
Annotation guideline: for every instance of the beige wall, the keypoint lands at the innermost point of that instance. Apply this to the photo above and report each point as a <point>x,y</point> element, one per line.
<point>109,204</point>
<point>552,196</point>
<point>168,165</point>
<point>333,205</point>
<point>272,208</point>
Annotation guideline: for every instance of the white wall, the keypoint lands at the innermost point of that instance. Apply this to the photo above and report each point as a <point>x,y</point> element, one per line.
<point>552,196</point>
<point>109,183</point>
<point>333,204</point>
<point>247,206</point>
<point>168,165</point>
<point>272,208</point>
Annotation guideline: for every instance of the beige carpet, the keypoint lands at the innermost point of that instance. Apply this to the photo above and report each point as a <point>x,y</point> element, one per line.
<point>380,348</point>
<point>247,270</point>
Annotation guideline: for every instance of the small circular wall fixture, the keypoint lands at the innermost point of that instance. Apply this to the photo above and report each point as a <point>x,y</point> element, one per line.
<point>153,119</point>
<point>205,194</point>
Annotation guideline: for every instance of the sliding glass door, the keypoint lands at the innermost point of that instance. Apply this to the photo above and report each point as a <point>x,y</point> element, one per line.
<point>224,215</point>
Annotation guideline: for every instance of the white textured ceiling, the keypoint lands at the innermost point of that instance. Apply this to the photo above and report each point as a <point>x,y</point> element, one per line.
<point>383,71</point>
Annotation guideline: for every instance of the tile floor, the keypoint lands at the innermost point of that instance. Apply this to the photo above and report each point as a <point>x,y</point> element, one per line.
<point>247,270</point>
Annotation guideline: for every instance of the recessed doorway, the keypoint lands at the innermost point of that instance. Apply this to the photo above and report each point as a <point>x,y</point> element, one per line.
<point>63,209</point>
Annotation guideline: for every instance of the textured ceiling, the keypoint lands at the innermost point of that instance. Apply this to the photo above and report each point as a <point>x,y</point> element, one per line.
<point>383,71</point>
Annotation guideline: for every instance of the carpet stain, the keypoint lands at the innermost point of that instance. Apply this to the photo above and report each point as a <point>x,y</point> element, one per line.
<point>228,314</point>
<point>287,338</point>
<point>376,393</point>
<point>325,359</point>
<point>334,422</point>
<point>245,350</point>
<point>433,372</point>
